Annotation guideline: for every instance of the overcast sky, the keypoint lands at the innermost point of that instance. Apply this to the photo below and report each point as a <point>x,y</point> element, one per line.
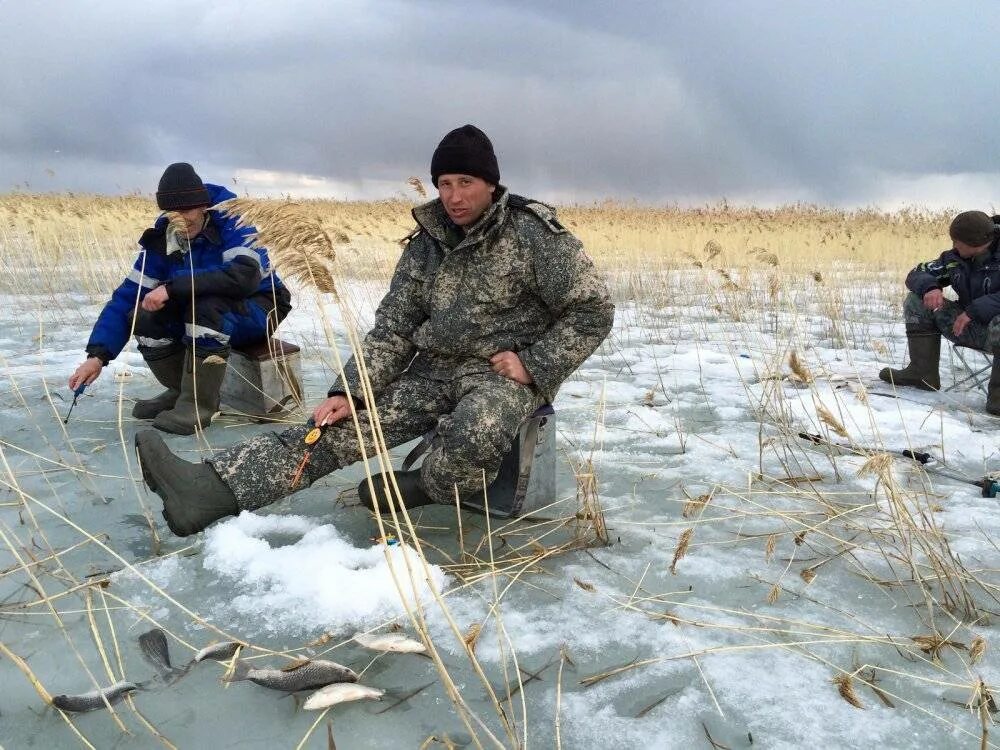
<point>851,103</point>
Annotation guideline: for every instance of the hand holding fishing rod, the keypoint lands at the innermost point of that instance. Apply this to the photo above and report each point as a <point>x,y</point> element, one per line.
<point>309,440</point>
<point>989,486</point>
<point>329,412</point>
<point>77,392</point>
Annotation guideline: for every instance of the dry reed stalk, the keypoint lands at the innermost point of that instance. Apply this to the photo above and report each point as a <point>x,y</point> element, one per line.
<point>845,687</point>
<point>22,665</point>
<point>769,546</point>
<point>696,505</point>
<point>681,549</point>
<point>827,418</point>
<point>977,648</point>
<point>297,245</point>
<point>799,371</point>
<point>418,186</point>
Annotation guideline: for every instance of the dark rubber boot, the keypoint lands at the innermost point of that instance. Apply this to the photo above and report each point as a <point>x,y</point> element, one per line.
<point>193,495</point>
<point>922,372</point>
<point>409,488</point>
<point>169,372</point>
<point>993,392</point>
<point>199,399</point>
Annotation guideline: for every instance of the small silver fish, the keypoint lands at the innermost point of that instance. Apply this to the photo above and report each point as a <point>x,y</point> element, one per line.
<point>219,651</point>
<point>341,692</point>
<point>305,675</point>
<point>95,698</point>
<point>397,643</point>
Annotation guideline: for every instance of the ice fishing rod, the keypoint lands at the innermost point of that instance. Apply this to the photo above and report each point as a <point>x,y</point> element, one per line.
<point>309,440</point>
<point>76,395</point>
<point>989,486</point>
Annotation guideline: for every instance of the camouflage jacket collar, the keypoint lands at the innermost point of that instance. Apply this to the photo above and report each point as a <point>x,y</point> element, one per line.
<point>431,217</point>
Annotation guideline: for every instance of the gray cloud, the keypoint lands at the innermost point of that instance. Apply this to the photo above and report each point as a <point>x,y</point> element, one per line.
<point>659,101</point>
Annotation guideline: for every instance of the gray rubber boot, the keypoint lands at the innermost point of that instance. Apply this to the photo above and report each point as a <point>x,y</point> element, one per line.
<point>410,490</point>
<point>993,392</point>
<point>922,372</point>
<point>193,494</point>
<point>168,370</point>
<point>199,399</point>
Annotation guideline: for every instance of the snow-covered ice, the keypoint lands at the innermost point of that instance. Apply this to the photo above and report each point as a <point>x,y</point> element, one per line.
<point>689,417</point>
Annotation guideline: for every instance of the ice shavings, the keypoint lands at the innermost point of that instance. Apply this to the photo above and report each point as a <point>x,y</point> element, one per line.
<point>296,576</point>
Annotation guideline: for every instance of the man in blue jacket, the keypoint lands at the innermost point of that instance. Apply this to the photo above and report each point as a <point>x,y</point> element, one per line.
<point>972,269</point>
<point>197,288</point>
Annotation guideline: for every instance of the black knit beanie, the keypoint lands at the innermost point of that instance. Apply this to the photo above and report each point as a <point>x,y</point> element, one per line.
<point>974,228</point>
<point>465,150</point>
<point>181,188</point>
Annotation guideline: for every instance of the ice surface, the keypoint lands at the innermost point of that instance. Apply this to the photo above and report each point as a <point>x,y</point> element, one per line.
<point>682,402</point>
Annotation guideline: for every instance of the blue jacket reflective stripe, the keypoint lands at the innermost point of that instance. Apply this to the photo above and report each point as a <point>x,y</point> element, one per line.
<point>220,262</point>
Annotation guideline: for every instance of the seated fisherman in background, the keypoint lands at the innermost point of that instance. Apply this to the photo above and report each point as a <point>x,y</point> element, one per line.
<point>972,269</point>
<point>195,290</point>
<point>492,305</point>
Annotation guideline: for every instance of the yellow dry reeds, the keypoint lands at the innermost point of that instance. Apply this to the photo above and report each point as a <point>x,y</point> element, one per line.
<point>296,243</point>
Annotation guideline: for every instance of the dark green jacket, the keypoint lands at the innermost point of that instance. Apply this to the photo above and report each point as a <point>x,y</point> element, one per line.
<point>517,281</point>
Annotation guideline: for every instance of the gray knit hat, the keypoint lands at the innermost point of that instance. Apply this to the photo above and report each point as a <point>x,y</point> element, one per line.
<point>974,228</point>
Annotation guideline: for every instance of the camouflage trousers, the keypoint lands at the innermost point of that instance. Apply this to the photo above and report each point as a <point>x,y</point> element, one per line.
<point>923,322</point>
<point>477,417</point>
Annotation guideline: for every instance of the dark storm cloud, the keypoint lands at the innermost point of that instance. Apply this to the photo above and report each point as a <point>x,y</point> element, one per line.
<point>684,101</point>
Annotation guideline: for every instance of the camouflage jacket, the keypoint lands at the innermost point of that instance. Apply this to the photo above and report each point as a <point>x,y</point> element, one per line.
<point>517,280</point>
<point>976,281</point>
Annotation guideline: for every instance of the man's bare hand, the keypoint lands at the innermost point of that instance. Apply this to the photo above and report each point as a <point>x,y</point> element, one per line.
<point>86,373</point>
<point>961,322</point>
<point>332,410</point>
<point>509,365</point>
<point>155,299</point>
<point>934,300</point>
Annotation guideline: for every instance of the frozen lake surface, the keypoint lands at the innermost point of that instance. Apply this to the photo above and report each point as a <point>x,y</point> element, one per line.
<point>747,569</point>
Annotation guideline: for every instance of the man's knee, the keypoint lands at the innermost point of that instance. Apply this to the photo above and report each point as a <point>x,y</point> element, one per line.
<point>993,336</point>
<point>210,311</point>
<point>156,331</point>
<point>920,320</point>
<point>206,321</point>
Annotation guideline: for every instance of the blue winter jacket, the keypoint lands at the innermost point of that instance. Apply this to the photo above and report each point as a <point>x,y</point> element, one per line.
<point>220,263</point>
<point>976,281</point>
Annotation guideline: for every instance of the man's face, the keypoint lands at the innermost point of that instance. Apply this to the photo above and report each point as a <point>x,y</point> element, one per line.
<point>194,220</point>
<point>970,251</point>
<point>465,198</point>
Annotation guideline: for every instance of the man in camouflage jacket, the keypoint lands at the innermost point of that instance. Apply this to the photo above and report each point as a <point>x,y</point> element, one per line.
<point>972,269</point>
<point>492,305</point>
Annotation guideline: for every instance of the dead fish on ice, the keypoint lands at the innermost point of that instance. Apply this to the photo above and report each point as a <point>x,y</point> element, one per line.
<point>397,643</point>
<point>306,675</point>
<point>220,651</point>
<point>95,698</point>
<point>341,692</point>
<point>154,648</point>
